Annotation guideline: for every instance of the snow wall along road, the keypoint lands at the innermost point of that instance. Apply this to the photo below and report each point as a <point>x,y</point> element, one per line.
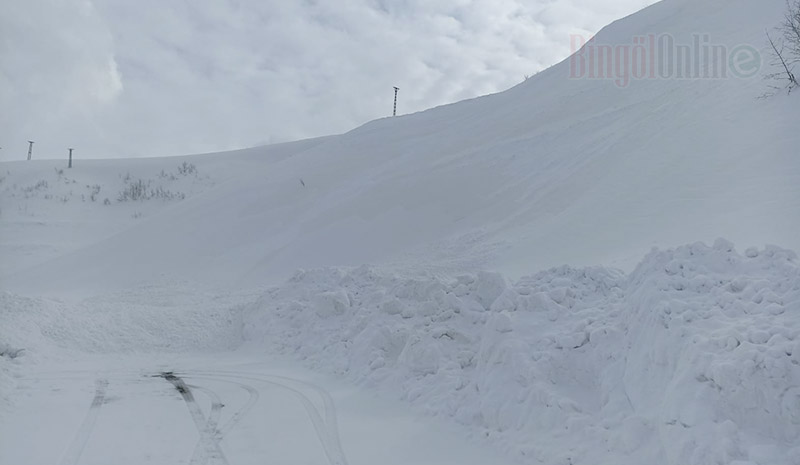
<point>693,358</point>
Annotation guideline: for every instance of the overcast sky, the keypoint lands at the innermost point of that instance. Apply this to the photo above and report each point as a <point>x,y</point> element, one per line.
<point>116,78</point>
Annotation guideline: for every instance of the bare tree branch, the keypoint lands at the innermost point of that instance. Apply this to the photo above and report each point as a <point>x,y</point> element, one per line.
<point>786,50</point>
<point>791,26</point>
<point>779,55</point>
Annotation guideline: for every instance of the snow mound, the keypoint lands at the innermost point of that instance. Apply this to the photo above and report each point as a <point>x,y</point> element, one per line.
<point>19,333</point>
<point>169,318</point>
<point>693,358</point>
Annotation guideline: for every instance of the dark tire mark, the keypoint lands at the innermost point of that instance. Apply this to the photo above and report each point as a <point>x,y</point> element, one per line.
<point>211,450</point>
<point>75,450</point>
<point>211,425</point>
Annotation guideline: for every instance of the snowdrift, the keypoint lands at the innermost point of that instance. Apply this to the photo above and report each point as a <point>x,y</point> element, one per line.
<point>553,171</point>
<point>693,358</point>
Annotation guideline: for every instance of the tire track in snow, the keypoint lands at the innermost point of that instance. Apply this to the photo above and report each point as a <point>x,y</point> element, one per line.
<point>216,412</point>
<point>75,450</point>
<point>331,419</point>
<point>236,417</point>
<point>211,450</point>
<point>199,456</point>
<point>326,428</point>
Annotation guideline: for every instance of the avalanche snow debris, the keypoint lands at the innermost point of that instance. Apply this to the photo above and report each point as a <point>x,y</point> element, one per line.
<point>693,358</point>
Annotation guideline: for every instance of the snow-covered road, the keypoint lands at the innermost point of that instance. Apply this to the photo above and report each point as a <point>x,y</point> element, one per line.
<point>216,410</point>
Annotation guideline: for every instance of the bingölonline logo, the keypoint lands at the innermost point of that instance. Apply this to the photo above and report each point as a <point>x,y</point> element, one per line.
<point>661,57</point>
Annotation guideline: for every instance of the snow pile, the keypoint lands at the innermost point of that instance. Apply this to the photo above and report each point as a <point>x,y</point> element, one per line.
<point>25,321</point>
<point>165,319</point>
<point>714,352</point>
<point>170,318</point>
<point>19,334</point>
<point>693,358</point>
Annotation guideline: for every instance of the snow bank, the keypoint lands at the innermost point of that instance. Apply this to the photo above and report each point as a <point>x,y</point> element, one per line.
<point>18,335</point>
<point>693,358</point>
<point>168,318</point>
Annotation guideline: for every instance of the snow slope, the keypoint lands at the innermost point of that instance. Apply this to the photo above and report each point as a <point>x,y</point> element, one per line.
<point>552,171</point>
<point>48,210</point>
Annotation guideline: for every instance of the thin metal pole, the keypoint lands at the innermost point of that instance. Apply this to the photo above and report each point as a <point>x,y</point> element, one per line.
<point>70,158</point>
<point>394,113</point>
<point>30,149</point>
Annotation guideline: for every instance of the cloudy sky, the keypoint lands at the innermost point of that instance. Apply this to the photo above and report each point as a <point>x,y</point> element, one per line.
<point>117,78</point>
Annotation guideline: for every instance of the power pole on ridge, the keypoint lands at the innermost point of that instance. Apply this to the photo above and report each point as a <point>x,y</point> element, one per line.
<point>70,158</point>
<point>394,113</point>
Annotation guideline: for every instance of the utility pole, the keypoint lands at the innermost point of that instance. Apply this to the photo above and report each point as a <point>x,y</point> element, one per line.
<point>30,149</point>
<point>394,113</point>
<point>70,158</point>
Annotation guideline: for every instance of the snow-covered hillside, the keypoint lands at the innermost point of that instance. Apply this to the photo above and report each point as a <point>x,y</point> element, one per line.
<point>553,171</point>
<point>482,261</point>
<point>48,210</point>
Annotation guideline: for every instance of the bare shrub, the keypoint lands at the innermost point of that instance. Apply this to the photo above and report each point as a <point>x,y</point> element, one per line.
<point>786,48</point>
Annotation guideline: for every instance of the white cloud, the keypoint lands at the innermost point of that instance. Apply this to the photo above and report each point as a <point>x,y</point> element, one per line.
<point>57,71</point>
<point>120,78</point>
